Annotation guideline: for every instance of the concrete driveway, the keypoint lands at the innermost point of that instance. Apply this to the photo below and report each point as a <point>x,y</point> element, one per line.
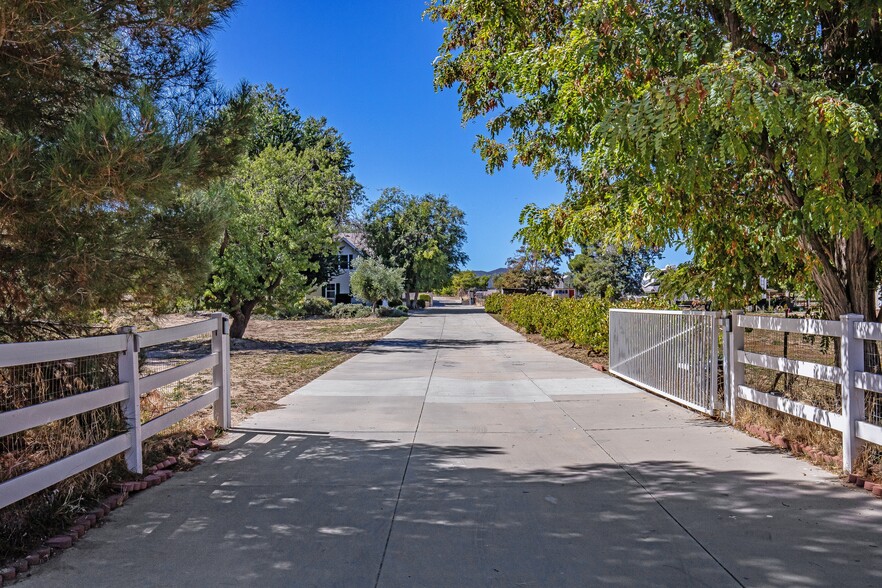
<point>454,453</point>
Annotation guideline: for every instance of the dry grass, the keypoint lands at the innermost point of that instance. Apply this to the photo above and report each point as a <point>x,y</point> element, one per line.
<point>276,357</point>
<point>280,356</point>
<point>791,427</point>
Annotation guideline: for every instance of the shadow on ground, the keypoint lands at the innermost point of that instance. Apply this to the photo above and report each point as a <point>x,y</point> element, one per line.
<point>285,509</point>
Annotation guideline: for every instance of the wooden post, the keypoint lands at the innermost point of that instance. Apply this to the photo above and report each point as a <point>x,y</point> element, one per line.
<point>735,373</point>
<point>853,409</point>
<point>129,373</point>
<point>220,344</point>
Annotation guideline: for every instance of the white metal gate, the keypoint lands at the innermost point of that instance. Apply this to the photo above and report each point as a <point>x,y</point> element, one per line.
<point>672,353</point>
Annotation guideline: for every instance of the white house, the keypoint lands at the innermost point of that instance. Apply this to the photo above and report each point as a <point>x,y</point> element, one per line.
<point>351,248</point>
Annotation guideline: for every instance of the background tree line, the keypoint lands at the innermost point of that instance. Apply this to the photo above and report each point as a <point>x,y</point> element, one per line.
<point>747,131</point>
<point>130,180</point>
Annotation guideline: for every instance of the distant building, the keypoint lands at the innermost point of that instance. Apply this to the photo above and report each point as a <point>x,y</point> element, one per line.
<point>352,246</point>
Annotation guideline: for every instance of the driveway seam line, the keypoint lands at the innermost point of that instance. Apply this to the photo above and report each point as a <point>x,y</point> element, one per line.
<point>407,463</point>
<point>645,489</point>
<point>656,500</point>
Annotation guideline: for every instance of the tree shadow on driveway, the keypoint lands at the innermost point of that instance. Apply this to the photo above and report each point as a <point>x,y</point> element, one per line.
<point>280,509</point>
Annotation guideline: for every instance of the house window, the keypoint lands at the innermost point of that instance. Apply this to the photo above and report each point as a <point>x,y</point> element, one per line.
<point>329,291</point>
<point>344,261</point>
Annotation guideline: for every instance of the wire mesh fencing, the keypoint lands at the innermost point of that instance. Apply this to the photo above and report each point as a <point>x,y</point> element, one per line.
<point>166,356</point>
<point>28,385</point>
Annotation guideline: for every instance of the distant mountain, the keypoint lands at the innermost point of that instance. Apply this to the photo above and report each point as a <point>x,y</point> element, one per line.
<point>496,272</point>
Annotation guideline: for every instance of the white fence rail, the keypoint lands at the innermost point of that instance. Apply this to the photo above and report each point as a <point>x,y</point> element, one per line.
<point>674,354</point>
<point>848,375</point>
<point>127,392</point>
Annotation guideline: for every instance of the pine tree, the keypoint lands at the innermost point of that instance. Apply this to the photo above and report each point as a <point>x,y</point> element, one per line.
<point>110,125</point>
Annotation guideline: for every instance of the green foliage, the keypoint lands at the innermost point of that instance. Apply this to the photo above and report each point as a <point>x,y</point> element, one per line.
<point>423,235</point>
<point>531,269</point>
<point>747,131</point>
<point>583,321</point>
<point>462,282</point>
<point>350,311</point>
<point>493,302</point>
<point>603,271</point>
<point>372,281</point>
<point>109,120</point>
<point>286,202</point>
<point>316,306</point>
<point>388,311</point>
<point>425,297</point>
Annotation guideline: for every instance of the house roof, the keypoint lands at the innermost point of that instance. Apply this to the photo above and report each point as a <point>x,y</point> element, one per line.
<point>355,240</point>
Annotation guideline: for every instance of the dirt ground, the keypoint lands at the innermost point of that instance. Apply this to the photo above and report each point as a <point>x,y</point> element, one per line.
<point>278,356</point>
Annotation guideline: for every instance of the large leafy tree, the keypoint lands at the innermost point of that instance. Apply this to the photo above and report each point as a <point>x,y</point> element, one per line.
<point>109,121</point>
<point>601,271</point>
<point>749,128</point>
<point>423,235</point>
<point>468,280</point>
<point>287,199</point>
<point>531,269</point>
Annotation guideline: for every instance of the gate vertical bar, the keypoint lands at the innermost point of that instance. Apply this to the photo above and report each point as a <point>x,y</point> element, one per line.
<point>726,328</point>
<point>713,325</point>
<point>129,373</point>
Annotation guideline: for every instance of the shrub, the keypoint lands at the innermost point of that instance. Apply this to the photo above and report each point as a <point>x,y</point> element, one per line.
<point>421,303</point>
<point>388,311</point>
<point>584,321</point>
<point>424,297</point>
<point>373,281</point>
<point>493,303</point>
<point>400,307</point>
<point>350,311</point>
<point>316,306</point>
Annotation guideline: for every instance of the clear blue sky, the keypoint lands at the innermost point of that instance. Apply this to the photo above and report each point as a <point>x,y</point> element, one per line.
<point>367,68</point>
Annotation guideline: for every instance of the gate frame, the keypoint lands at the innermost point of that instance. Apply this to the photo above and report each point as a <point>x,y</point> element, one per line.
<point>711,411</point>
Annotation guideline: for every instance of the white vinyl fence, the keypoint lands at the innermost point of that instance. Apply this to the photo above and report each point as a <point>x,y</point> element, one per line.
<point>674,354</point>
<point>128,391</point>
<point>854,385</point>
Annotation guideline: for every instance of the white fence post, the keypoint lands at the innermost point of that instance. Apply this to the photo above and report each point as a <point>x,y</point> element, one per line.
<point>220,344</point>
<point>129,373</point>
<point>735,373</point>
<point>853,410</point>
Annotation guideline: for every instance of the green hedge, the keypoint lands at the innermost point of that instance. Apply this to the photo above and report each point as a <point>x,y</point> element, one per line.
<point>583,321</point>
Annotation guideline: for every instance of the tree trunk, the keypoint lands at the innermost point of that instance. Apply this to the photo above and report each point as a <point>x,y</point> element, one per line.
<point>240,317</point>
<point>846,278</point>
<point>848,282</point>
